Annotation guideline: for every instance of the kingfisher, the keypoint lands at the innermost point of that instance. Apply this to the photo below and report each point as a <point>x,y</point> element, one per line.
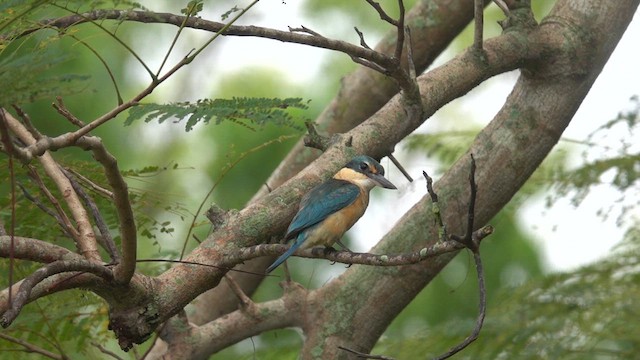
<point>331,208</point>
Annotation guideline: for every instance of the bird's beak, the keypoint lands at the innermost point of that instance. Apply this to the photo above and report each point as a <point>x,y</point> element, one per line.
<point>382,181</point>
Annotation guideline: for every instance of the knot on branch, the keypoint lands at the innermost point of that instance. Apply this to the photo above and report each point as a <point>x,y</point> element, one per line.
<point>519,17</point>
<point>314,140</point>
<point>217,215</point>
<point>133,325</point>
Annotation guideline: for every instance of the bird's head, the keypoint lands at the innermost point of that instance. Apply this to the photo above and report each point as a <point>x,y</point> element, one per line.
<point>366,172</point>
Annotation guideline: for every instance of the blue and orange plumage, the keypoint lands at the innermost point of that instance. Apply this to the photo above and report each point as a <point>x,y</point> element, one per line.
<point>331,208</point>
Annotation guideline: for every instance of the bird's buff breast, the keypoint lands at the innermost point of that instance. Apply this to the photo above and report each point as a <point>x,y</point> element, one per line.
<point>335,225</point>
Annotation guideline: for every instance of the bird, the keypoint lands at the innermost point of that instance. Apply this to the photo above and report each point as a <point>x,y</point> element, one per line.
<point>331,208</point>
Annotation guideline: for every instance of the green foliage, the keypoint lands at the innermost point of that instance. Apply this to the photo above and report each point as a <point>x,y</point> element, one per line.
<point>32,222</point>
<point>446,146</point>
<point>247,112</point>
<point>57,327</point>
<point>585,314</point>
<point>616,166</point>
<point>510,259</point>
<point>25,75</point>
<point>228,13</point>
<point>193,8</point>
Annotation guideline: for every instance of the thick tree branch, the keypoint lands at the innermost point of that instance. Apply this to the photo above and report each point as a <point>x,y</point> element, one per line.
<point>255,224</point>
<point>225,331</point>
<point>557,83</point>
<point>35,250</point>
<point>370,90</point>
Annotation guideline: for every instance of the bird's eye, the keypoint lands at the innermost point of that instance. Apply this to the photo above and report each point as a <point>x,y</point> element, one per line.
<point>364,166</point>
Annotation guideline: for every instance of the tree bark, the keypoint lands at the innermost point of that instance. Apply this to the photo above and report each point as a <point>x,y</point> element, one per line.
<point>575,41</point>
<point>434,24</point>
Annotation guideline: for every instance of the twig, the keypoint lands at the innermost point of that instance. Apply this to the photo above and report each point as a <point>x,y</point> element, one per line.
<point>45,209</point>
<point>237,290</point>
<point>370,64</point>
<point>361,36</point>
<point>313,139</point>
<point>470,242</point>
<point>478,11</point>
<point>71,138</point>
<point>56,267</point>
<point>26,120</point>
<point>382,13</point>
<point>347,257</point>
<point>362,355</point>
<point>481,311</point>
<point>400,167</point>
<point>103,350</point>
<point>304,29</point>
<point>30,348</point>
<point>401,32</point>
<point>64,220</point>
<point>93,186</point>
<point>62,110</point>
<point>471,215</point>
<point>97,217</point>
<point>217,215</point>
<point>201,264</point>
<point>202,24</point>
<point>435,208</point>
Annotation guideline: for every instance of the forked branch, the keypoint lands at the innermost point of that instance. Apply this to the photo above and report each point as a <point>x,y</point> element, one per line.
<point>56,267</point>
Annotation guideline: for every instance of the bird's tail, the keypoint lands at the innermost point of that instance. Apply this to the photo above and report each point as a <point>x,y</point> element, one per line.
<point>294,246</point>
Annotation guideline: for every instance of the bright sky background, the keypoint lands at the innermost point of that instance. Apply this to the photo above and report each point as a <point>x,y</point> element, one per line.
<point>559,231</point>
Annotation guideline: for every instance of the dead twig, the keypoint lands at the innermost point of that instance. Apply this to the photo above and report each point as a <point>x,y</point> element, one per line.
<point>472,244</point>
<point>362,355</point>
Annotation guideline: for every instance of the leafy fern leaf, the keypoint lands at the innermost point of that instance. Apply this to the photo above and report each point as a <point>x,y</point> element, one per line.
<point>248,112</point>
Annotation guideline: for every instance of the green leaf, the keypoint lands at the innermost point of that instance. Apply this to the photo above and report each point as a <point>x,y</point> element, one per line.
<point>193,8</point>
<point>247,112</point>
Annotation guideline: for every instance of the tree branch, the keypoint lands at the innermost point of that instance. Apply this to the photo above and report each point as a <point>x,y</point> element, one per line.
<point>255,225</point>
<point>86,241</point>
<point>370,90</point>
<point>56,267</point>
<point>557,83</point>
<point>198,23</point>
<point>348,257</point>
<point>125,269</point>
<point>34,250</point>
<point>30,348</point>
<point>107,240</point>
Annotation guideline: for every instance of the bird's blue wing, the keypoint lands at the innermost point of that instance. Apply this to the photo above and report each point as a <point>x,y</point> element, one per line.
<point>322,201</point>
